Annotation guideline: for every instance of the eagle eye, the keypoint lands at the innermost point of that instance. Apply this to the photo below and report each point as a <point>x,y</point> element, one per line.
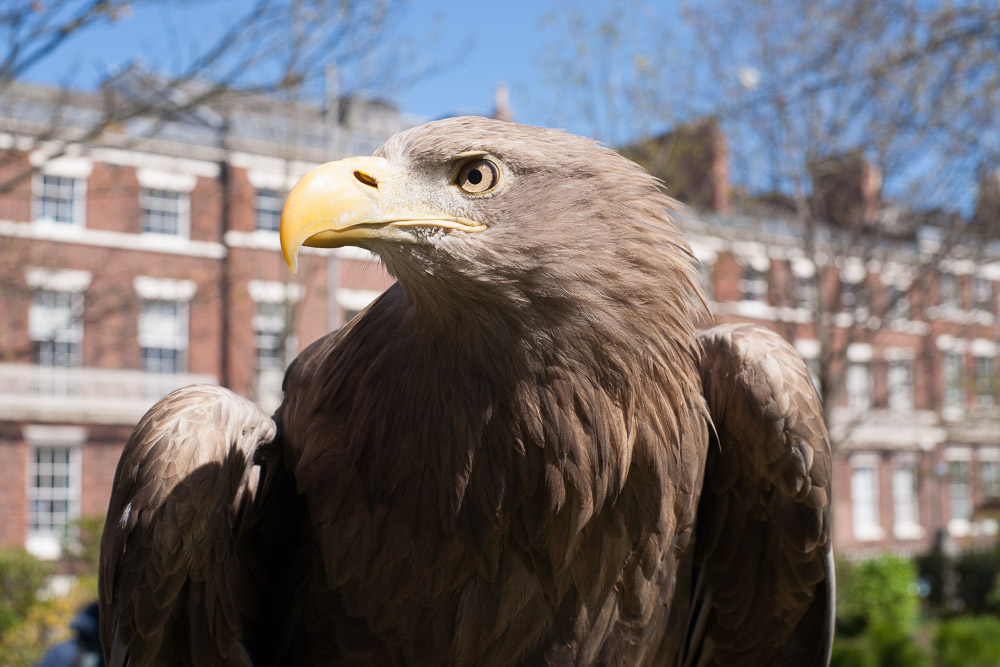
<point>477,176</point>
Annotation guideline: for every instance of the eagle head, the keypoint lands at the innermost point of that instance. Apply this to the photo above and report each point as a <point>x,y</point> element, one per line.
<point>471,211</point>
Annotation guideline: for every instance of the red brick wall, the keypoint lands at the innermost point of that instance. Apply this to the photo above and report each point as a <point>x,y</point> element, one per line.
<point>100,459</point>
<point>113,199</point>
<point>15,186</point>
<point>13,503</point>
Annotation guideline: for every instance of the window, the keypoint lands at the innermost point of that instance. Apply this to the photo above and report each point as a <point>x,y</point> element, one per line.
<point>906,519</point>
<point>165,212</point>
<point>854,297</point>
<point>805,292</point>
<point>897,304</point>
<point>53,490</point>
<point>274,343</point>
<point>989,478</point>
<point>753,285</point>
<point>954,395</point>
<point>59,199</point>
<point>55,326</point>
<point>268,204</point>
<point>982,293</point>
<point>900,380</point>
<point>163,336</point>
<point>859,387</point>
<point>959,490</point>
<point>948,291</point>
<point>985,380</point>
<point>864,501</point>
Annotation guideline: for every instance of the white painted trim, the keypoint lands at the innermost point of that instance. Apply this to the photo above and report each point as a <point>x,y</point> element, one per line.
<point>865,460</point>
<point>853,271</point>
<point>156,179</point>
<point>957,453</point>
<point>266,291</point>
<point>989,271</point>
<point>959,527</point>
<point>959,267</point>
<point>65,166</point>
<point>356,299</point>
<point>983,347</point>
<point>898,275</point>
<point>948,343</point>
<point>893,353</point>
<point>859,352</point>
<point>108,239</point>
<point>908,531</point>
<point>988,454</point>
<point>57,436</point>
<point>166,289</point>
<point>138,159</point>
<point>803,267</point>
<point>59,280</point>
<point>808,348</point>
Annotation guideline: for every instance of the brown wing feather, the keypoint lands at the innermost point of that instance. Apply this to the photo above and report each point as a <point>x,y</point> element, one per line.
<point>763,540</point>
<point>172,588</point>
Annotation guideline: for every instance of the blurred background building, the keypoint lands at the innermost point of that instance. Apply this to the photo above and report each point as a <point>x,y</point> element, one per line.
<point>146,259</point>
<point>140,259</point>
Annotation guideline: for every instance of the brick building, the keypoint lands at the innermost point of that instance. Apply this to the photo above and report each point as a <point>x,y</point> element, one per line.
<point>903,323</point>
<point>136,264</point>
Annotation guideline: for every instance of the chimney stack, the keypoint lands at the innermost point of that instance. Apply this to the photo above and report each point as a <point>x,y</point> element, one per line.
<point>692,161</point>
<point>847,190</point>
<point>501,103</point>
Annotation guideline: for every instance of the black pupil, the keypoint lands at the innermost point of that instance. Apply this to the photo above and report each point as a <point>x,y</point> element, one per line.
<point>476,176</point>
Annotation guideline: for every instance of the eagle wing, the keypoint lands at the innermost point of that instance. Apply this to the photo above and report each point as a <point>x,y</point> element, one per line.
<point>180,550</point>
<point>765,586</point>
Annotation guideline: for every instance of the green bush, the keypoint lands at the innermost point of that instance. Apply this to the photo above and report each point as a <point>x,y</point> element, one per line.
<point>969,641</point>
<point>853,652</point>
<point>977,575</point>
<point>898,650</point>
<point>21,577</point>
<point>878,595</point>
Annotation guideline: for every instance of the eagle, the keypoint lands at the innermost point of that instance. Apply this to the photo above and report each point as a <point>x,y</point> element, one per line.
<point>523,452</point>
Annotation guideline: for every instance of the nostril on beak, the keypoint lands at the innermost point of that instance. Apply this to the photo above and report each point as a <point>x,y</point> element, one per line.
<point>366,179</point>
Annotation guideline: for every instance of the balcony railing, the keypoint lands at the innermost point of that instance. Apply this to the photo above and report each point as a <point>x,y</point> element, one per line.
<point>87,395</point>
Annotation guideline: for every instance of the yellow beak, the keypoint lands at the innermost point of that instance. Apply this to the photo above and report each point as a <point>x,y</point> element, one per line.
<point>341,203</point>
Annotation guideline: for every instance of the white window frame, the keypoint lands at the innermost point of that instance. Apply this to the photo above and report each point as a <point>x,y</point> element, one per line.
<point>46,543</point>
<point>899,378</point>
<point>949,299</point>
<point>68,282</point>
<point>753,284</point>
<point>959,522</point>
<point>952,380</point>
<point>984,384</point>
<point>78,203</point>
<point>897,304</point>
<point>865,507</point>
<point>982,293</point>
<point>859,399</point>
<point>263,200</point>
<point>180,343</point>
<point>146,198</point>
<point>906,500</point>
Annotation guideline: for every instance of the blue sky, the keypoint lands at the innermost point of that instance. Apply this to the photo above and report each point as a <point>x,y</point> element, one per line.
<point>510,40</point>
<point>473,45</point>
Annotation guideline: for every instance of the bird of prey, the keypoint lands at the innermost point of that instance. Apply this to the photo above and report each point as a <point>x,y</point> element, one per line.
<point>523,452</point>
